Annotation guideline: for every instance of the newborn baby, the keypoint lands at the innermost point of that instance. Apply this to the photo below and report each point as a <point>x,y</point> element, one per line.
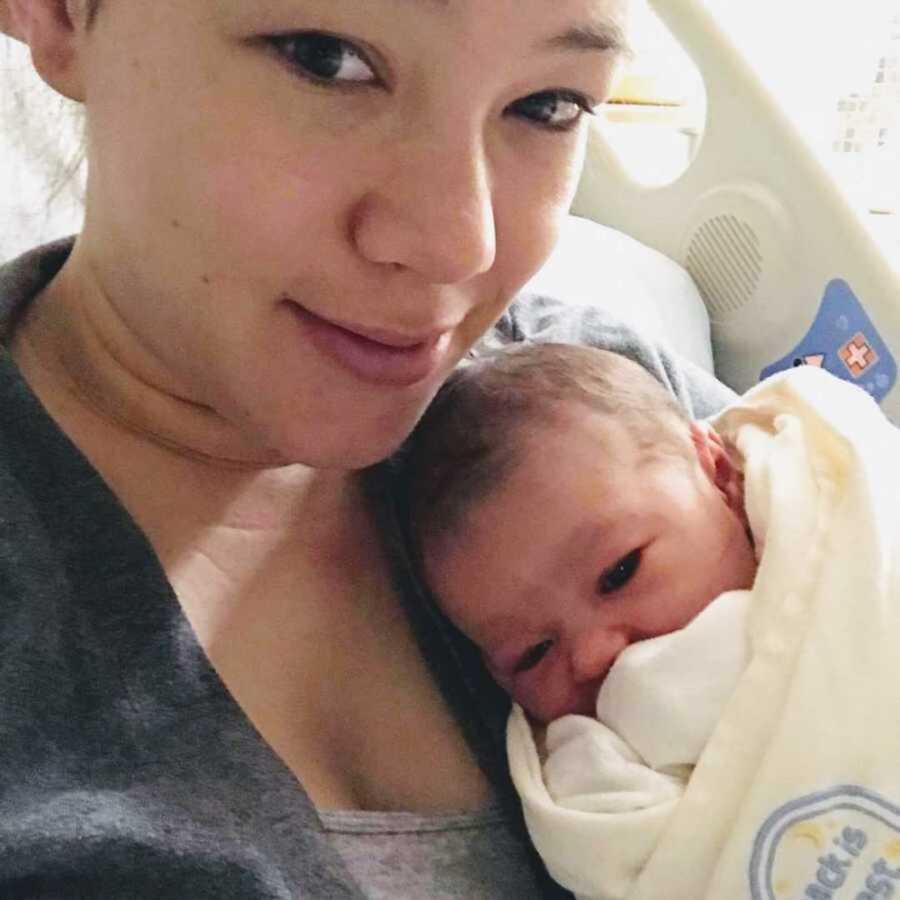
<point>696,655</point>
<point>566,509</point>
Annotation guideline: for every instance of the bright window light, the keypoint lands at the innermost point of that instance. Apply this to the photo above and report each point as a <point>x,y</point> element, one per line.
<point>835,69</point>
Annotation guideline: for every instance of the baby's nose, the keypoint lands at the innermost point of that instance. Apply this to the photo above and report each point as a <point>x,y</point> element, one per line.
<point>594,651</point>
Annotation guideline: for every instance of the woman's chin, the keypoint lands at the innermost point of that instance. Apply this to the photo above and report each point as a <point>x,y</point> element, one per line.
<point>345,452</point>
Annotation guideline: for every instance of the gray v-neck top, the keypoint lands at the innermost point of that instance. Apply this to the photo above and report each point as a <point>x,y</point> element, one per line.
<point>126,768</point>
<point>470,855</point>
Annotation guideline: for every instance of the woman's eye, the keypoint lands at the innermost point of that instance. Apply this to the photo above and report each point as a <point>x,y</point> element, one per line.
<point>532,656</point>
<point>325,58</point>
<point>618,575</point>
<point>555,110</point>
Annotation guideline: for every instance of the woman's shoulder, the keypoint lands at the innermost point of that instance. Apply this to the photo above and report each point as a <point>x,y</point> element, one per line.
<point>534,317</point>
<point>25,276</point>
<point>47,487</point>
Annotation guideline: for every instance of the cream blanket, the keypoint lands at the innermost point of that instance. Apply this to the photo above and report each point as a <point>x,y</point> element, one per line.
<point>796,792</point>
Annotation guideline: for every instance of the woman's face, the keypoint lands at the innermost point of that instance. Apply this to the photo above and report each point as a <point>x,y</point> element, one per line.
<point>306,211</point>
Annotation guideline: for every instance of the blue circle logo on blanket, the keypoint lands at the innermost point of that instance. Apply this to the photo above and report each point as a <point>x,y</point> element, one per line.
<point>838,844</point>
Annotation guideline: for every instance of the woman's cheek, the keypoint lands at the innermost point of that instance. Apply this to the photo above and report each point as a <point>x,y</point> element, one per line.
<point>532,202</point>
<point>272,208</point>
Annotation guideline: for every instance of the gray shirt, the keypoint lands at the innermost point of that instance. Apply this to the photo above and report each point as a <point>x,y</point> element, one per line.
<point>475,856</point>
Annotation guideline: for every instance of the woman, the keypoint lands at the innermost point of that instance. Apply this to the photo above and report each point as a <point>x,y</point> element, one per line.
<point>300,215</point>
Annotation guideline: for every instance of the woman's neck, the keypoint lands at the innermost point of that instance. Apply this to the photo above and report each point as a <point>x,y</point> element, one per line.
<point>74,349</point>
<point>174,465</point>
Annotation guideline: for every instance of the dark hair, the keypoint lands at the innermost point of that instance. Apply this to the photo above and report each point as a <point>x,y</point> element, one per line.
<point>472,435</point>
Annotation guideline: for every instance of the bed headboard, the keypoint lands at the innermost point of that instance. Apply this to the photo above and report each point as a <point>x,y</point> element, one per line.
<point>599,266</point>
<point>789,274</point>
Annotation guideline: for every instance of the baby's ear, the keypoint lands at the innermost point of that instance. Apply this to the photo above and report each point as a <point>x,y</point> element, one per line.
<point>717,464</point>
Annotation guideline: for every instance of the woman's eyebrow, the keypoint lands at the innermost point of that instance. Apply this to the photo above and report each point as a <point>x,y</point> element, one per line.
<point>603,37</point>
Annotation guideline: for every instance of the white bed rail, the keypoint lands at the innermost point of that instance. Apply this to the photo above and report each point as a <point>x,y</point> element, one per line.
<point>759,223</point>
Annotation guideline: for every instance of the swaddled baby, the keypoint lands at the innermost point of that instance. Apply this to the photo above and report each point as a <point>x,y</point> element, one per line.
<point>595,544</point>
<point>567,509</point>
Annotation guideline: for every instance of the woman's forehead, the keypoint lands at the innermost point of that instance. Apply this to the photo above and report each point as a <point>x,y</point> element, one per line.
<point>511,37</point>
<point>590,24</point>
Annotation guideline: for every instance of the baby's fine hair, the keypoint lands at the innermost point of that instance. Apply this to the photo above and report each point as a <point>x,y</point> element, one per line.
<point>473,434</point>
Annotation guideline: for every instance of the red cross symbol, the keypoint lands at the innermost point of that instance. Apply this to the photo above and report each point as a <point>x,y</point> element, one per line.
<point>857,355</point>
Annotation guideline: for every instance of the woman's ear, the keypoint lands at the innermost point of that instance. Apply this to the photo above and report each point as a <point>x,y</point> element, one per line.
<point>718,466</point>
<point>53,30</point>
<point>7,25</point>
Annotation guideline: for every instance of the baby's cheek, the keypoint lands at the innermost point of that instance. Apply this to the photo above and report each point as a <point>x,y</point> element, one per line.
<point>524,698</point>
<point>532,700</point>
<point>742,558</point>
<point>550,696</point>
<point>504,682</point>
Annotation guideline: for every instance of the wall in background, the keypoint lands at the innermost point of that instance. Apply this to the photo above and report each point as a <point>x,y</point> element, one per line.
<point>41,180</point>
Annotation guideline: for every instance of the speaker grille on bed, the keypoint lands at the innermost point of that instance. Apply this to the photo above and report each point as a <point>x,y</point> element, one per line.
<point>725,261</point>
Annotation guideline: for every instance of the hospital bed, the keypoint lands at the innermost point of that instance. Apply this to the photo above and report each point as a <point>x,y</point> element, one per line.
<point>787,272</point>
<point>753,246</point>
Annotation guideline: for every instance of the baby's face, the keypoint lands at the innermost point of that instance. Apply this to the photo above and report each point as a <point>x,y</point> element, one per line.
<point>588,546</point>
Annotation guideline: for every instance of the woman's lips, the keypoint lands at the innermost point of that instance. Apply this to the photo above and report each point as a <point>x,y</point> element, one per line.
<point>376,356</point>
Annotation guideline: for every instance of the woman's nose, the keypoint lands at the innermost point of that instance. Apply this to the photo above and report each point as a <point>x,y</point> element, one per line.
<point>593,651</point>
<point>434,213</point>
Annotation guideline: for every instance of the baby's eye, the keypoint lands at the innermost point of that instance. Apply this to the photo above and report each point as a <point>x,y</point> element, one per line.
<point>618,575</point>
<point>324,58</point>
<point>531,657</point>
<point>556,110</point>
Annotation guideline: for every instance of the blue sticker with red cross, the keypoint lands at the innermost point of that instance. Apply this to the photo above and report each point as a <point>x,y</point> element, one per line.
<point>843,341</point>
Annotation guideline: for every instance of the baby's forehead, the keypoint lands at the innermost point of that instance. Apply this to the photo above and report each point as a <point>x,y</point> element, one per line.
<point>557,460</point>
<point>573,432</point>
<point>549,457</point>
<point>624,438</point>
